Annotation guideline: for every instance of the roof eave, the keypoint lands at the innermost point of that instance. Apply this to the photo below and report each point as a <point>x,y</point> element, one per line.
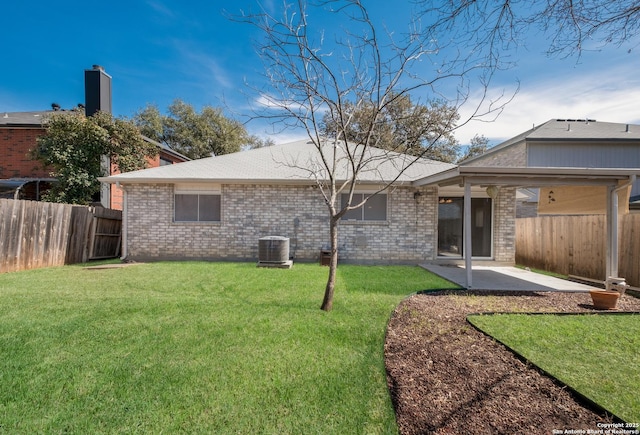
<point>23,125</point>
<point>438,178</point>
<point>275,181</point>
<point>523,176</point>
<point>580,140</point>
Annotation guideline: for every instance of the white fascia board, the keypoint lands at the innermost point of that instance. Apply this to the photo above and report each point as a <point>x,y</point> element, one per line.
<point>519,176</point>
<point>278,181</point>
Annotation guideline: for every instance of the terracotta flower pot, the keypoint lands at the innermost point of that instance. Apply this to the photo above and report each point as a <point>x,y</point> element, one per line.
<point>604,300</point>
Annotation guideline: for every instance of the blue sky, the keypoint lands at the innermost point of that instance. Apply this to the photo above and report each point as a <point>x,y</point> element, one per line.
<point>159,50</point>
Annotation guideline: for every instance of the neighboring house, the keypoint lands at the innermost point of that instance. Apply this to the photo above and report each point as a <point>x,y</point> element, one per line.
<point>527,202</point>
<point>569,143</point>
<point>219,207</point>
<point>22,177</point>
<point>112,196</point>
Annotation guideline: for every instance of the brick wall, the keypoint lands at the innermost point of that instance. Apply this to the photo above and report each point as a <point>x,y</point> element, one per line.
<point>250,212</point>
<point>16,145</point>
<point>504,225</point>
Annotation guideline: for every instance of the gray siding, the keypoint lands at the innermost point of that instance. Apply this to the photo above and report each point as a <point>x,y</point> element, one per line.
<point>585,155</point>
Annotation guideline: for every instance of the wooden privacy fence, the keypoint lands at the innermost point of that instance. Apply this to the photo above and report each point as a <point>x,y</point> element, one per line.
<point>576,245</point>
<point>43,234</point>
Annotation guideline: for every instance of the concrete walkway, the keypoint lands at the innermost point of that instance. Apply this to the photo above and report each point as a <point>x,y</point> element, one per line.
<point>505,278</point>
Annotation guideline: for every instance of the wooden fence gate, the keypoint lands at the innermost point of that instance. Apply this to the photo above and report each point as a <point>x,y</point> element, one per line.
<point>42,234</point>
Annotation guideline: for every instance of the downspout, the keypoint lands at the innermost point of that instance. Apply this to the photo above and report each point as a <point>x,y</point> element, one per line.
<point>123,241</point>
<point>612,260</point>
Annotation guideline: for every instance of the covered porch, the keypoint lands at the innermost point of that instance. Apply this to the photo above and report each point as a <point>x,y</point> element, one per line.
<point>493,178</point>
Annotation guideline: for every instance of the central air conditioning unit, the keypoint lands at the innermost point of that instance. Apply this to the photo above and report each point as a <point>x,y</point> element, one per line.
<point>273,251</point>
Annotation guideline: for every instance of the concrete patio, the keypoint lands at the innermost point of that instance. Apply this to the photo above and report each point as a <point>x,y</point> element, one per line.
<point>501,277</point>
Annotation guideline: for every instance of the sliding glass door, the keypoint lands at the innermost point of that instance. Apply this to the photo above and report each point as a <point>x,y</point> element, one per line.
<point>450,227</point>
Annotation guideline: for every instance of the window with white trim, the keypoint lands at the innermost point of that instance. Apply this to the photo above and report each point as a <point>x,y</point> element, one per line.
<point>375,209</point>
<point>197,203</point>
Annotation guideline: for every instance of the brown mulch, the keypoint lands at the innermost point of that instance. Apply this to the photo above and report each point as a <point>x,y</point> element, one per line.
<point>445,377</point>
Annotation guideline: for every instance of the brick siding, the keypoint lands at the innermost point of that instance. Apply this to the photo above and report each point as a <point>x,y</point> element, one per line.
<point>504,225</point>
<point>511,156</point>
<point>16,145</point>
<point>250,212</point>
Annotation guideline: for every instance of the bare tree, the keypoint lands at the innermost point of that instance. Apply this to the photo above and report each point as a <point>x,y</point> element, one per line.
<point>319,76</point>
<point>494,25</point>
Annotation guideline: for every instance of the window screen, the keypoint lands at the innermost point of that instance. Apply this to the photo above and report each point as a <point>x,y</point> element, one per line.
<point>197,208</point>
<point>375,209</point>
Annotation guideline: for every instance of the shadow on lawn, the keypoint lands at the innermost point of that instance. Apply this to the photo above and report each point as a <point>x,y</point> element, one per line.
<point>485,293</point>
<point>399,281</point>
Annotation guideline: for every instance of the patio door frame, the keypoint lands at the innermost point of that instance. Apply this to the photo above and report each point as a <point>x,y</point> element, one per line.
<point>466,219</point>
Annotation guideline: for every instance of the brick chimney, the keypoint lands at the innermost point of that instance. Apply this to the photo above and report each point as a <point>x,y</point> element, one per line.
<point>97,90</point>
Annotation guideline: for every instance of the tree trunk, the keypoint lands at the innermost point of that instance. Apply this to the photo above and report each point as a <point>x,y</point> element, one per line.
<point>327,303</point>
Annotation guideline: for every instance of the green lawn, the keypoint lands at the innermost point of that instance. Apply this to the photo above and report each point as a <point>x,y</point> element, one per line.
<point>198,348</point>
<point>597,355</point>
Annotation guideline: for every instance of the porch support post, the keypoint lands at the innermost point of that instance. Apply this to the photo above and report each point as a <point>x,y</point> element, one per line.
<point>467,233</point>
<point>612,232</point>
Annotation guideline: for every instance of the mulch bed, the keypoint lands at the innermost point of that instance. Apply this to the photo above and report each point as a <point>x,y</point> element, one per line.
<point>445,377</point>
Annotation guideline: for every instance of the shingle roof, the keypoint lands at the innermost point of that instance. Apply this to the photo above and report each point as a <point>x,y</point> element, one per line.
<point>585,129</point>
<point>23,119</point>
<point>288,163</point>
